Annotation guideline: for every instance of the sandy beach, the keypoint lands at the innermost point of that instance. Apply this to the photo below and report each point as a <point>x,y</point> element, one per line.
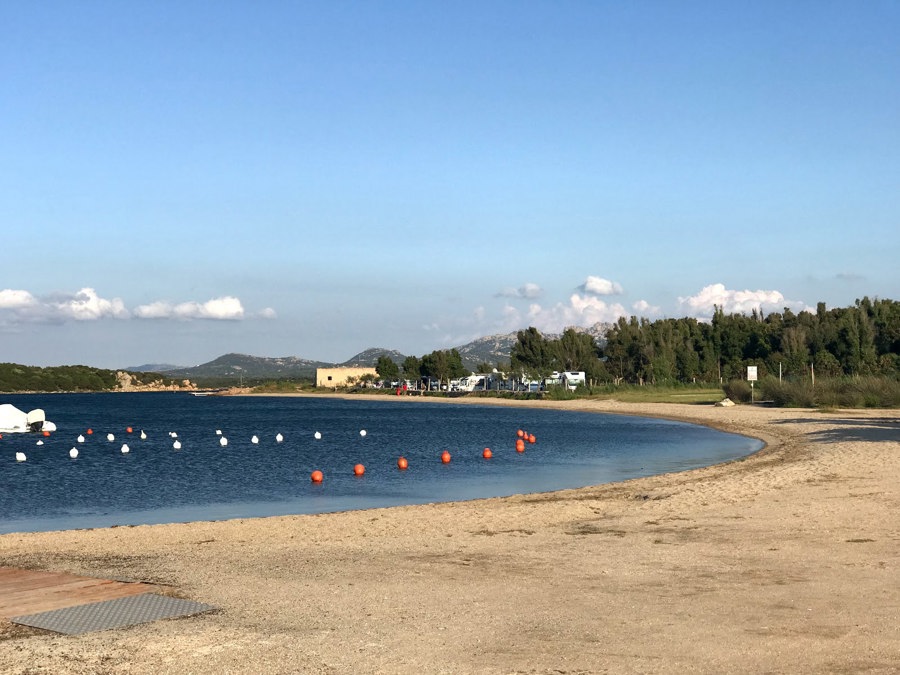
<point>784,562</point>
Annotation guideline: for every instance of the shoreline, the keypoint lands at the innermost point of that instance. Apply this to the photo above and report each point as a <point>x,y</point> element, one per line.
<point>785,560</point>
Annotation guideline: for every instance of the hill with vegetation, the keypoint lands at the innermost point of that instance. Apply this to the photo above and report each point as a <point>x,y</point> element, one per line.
<point>19,378</point>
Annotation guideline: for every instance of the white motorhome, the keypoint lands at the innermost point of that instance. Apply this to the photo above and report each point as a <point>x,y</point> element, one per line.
<point>469,383</point>
<point>573,378</point>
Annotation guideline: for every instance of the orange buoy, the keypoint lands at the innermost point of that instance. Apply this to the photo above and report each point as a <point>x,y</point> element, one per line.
<point>90,431</point>
<point>486,453</point>
<point>520,433</point>
<point>316,476</point>
<point>445,457</point>
<point>359,470</point>
<point>531,438</point>
<point>520,445</point>
<point>46,433</point>
<point>402,463</point>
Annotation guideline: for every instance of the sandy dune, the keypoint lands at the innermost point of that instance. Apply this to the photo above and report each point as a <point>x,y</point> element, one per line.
<point>785,562</point>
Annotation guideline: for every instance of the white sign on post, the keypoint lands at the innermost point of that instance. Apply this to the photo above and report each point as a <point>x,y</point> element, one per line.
<point>751,373</point>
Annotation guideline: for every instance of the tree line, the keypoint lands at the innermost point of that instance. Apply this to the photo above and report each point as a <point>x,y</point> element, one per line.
<point>15,377</point>
<point>863,339</point>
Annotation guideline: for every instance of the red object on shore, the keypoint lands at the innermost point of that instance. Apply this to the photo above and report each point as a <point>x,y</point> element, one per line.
<point>316,476</point>
<point>402,463</point>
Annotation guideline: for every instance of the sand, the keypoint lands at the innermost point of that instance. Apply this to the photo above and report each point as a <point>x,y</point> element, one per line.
<point>784,562</point>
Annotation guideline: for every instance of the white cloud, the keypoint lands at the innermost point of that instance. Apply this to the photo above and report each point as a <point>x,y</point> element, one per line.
<point>85,305</point>
<point>580,310</point>
<point>15,299</point>
<point>702,305</point>
<point>528,291</point>
<point>20,306</point>
<point>599,286</point>
<point>644,308</point>
<point>226,308</point>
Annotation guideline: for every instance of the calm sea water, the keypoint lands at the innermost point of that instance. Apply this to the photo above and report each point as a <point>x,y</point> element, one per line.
<point>154,483</point>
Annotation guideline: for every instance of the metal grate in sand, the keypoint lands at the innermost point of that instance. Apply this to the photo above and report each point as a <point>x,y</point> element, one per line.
<point>116,613</point>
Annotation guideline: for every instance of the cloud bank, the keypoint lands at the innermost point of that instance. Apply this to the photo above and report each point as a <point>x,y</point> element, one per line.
<point>703,304</point>
<point>529,291</point>
<point>21,306</point>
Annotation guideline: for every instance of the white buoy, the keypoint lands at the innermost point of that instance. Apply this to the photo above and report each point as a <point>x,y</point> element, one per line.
<point>362,432</point>
<point>172,434</point>
<point>80,439</point>
<point>223,441</point>
<point>39,443</point>
<point>279,438</point>
<point>20,457</point>
<point>218,432</point>
<point>125,448</point>
<point>318,435</point>
<point>73,453</point>
<point>110,438</point>
<point>177,445</point>
<point>254,439</point>
<point>143,435</point>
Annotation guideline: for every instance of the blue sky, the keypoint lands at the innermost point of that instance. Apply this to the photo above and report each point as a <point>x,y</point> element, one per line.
<point>184,179</point>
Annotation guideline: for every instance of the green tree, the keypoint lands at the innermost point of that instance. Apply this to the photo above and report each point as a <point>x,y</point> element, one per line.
<point>412,368</point>
<point>443,365</point>
<point>386,368</point>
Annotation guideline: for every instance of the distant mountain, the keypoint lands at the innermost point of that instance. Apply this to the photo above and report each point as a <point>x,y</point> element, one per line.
<point>237,366</point>
<point>370,357</point>
<point>491,349</point>
<point>232,367</point>
<point>152,368</point>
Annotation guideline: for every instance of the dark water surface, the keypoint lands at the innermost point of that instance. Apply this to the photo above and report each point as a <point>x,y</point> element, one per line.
<point>154,483</point>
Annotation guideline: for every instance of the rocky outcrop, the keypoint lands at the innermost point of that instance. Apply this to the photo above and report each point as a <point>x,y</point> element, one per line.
<point>127,382</point>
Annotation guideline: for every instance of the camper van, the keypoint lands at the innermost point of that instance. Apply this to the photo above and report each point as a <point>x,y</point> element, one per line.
<point>573,378</point>
<point>472,382</point>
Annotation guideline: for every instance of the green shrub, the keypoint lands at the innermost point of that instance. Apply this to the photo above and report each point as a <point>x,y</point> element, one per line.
<point>738,391</point>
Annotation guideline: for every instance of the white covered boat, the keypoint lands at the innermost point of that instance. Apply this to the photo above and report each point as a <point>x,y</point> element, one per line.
<point>15,421</point>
